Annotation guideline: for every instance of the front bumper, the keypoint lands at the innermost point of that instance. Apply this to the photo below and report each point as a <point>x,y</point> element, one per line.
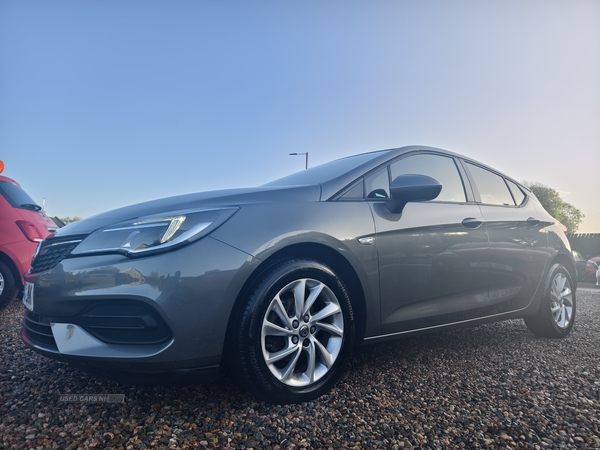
<point>158,314</point>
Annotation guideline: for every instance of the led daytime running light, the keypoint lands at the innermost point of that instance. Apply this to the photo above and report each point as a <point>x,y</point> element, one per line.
<point>174,225</point>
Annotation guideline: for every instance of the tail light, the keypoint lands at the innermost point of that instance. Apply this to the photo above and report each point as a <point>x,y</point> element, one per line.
<point>30,231</point>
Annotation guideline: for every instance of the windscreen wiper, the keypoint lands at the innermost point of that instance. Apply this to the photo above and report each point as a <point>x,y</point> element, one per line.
<point>31,206</point>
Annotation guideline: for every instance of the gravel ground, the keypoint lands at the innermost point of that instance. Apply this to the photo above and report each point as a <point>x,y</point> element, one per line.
<point>495,386</point>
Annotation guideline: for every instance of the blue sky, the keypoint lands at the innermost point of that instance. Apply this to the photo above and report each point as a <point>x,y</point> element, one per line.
<point>108,103</point>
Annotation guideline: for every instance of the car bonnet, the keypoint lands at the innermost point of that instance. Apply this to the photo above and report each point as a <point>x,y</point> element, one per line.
<point>210,199</point>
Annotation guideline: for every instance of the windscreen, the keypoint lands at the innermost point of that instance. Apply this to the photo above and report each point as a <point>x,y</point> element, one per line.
<point>17,197</point>
<point>325,172</point>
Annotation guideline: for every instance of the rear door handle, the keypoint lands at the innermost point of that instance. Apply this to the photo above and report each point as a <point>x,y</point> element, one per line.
<point>533,222</point>
<point>472,222</point>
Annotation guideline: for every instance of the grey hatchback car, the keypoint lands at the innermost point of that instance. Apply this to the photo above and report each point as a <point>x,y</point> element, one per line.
<point>279,283</point>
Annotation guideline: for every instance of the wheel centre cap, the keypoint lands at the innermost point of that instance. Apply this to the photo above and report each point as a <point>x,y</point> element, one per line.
<point>304,331</point>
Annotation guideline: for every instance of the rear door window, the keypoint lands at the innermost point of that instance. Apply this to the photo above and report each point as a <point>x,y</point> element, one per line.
<point>492,187</point>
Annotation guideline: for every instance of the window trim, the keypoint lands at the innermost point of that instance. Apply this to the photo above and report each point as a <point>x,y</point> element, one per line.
<point>464,162</point>
<point>463,175</point>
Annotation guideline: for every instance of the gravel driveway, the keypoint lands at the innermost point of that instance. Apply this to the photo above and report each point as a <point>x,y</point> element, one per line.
<point>495,386</point>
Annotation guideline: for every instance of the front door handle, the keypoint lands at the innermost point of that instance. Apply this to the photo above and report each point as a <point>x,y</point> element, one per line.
<point>472,222</point>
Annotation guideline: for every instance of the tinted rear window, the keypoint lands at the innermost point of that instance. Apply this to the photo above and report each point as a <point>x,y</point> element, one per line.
<point>14,195</point>
<point>492,188</point>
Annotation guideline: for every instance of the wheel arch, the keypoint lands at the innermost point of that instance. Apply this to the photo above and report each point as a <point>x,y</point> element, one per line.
<point>13,268</point>
<point>568,264</point>
<point>323,254</point>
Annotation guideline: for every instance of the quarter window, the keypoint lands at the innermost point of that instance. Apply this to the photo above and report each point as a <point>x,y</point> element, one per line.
<point>516,192</point>
<point>492,188</point>
<point>442,168</point>
<point>378,185</point>
<point>354,193</point>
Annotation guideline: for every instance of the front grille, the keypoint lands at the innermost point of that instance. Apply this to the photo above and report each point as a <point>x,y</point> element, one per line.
<point>50,254</point>
<point>127,322</point>
<point>38,331</point>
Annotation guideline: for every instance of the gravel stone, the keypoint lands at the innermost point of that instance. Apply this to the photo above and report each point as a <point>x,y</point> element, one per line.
<point>495,386</point>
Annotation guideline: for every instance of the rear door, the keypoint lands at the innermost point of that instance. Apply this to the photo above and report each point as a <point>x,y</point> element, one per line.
<point>518,243</point>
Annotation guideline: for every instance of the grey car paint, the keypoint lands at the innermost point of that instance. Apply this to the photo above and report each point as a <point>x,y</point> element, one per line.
<point>433,265</point>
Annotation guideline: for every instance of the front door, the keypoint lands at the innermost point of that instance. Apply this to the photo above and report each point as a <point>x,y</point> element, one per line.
<point>434,257</point>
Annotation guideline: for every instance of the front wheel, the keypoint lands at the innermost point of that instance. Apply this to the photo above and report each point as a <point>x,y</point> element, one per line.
<point>295,334</point>
<point>556,315</point>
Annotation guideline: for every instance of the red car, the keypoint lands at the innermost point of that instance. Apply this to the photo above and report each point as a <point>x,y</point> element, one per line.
<point>591,267</point>
<point>22,227</point>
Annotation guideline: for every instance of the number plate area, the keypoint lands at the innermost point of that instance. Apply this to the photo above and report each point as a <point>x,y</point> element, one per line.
<point>28,295</point>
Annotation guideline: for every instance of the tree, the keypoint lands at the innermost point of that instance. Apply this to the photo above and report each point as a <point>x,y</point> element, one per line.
<point>572,217</point>
<point>564,212</point>
<point>68,220</point>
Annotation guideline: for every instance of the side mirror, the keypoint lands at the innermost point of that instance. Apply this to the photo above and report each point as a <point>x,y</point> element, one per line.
<point>412,188</point>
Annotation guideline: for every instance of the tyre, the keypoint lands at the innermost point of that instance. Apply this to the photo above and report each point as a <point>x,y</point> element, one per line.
<point>295,334</point>
<point>8,288</point>
<point>556,315</point>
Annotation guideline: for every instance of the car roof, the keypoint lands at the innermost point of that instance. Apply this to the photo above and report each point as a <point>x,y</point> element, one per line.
<point>9,180</point>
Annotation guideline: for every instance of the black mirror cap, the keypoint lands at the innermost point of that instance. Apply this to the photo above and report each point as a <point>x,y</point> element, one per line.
<point>412,188</point>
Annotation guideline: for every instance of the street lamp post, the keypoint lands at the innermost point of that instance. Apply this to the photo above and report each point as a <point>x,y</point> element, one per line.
<point>303,153</point>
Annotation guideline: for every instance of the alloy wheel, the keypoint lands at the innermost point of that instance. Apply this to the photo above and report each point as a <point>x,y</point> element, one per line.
<point>302,332</point>
<point>561,301</point>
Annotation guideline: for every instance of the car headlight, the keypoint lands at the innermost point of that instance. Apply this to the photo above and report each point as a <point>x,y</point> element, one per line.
<point>156,233</point>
